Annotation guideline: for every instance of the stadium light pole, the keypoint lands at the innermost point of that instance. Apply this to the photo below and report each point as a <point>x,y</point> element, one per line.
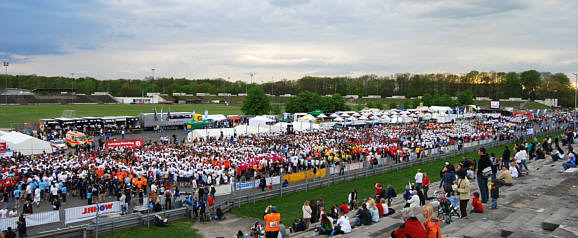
<point>72,93</point>
<point>153,81</point>
<point>6,63</point>
<point>247,86</point>
<point>575,98</point>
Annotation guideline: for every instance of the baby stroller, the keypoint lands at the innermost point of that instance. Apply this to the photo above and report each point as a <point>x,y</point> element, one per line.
<point>159,221</point>
<point>446,208</point>
<point>257,230</point>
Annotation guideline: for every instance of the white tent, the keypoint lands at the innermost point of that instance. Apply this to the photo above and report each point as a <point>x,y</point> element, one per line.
<point>338,119</point>
<point>25,144</point>
<point>321,116</point>
<point>363,118</point>
<point>306,118</point>
<point>217,117</point>
<point>334,115</point>
<point>255,121</point>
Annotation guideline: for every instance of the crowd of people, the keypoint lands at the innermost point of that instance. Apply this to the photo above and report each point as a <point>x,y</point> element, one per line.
<point>155,170</point>
<point>489,171</point>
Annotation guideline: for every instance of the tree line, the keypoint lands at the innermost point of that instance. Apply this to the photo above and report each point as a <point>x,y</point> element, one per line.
<point>529,84</point>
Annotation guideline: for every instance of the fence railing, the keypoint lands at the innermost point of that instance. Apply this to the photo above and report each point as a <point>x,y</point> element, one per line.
<point>110,225</point>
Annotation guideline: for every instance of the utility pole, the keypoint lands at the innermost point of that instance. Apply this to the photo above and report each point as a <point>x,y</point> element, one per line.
<point>5,63</point>
<point>72,93</point>
<point>247,86</point>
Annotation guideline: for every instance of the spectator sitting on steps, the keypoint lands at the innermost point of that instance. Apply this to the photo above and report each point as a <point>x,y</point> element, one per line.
<point>411,226</point>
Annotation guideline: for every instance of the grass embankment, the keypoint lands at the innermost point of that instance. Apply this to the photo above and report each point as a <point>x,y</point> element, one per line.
<point>182,228</point>
<point>290,205</point>
<point>32,113</point>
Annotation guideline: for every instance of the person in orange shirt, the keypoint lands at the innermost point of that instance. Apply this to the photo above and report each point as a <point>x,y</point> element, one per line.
<point>272,221</point>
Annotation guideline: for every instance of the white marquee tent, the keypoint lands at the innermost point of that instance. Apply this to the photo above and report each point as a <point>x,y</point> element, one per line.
<point>25,144</point>
<point>255,121</point>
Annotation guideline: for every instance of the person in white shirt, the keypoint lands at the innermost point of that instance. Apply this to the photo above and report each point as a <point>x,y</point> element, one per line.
<point>418,179</point>
<point>3,212</point>
<point>13,213</point>
<point>414,201</point>
<point>343,225</point>
<point>513,171</point>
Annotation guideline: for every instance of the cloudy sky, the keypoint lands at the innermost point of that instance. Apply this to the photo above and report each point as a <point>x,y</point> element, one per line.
<point>276,39</point>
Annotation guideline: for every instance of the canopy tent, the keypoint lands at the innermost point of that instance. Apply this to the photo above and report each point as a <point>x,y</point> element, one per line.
<point>25,144</point>
<point>339,119</point>
<point>316,112</point>
<point>217,117</point>
<point>255,121</point>
<point>200,133</point>
<point>192,125</point>
<point>334,115</point>
<point>306,118</point>
<point>234,118</point>
<point>322,116</point>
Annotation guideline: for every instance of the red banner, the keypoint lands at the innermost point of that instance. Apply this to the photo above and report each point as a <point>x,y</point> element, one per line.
<point>2,146</point>
<point>124,144</point>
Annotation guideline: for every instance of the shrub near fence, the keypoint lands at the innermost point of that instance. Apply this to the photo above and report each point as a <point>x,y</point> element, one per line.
<point>110,225</point>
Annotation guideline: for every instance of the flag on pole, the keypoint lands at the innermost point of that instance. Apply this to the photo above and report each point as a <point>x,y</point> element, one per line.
<point>162,108</point>
<point>206,114</point>
<point>155,110</point>
<point>169,114</point>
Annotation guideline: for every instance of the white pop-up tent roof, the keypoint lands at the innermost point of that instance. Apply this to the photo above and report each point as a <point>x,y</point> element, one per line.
<point>25,144</point>
<point>255,121</point>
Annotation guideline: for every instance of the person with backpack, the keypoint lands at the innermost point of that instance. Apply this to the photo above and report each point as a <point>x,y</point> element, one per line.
<point>390,194</point>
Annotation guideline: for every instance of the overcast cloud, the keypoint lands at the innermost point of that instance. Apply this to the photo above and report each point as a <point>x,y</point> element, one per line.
<point>109,39</point>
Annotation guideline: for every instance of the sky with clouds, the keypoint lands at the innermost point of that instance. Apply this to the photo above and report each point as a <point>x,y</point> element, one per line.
<point>276,39</point>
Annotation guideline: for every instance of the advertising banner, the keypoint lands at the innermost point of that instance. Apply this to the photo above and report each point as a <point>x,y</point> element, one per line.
<point>2,146</point>
<point>124,144</point>
<point>35,219</point>
<point>246,185</point>
<point>77,214</point>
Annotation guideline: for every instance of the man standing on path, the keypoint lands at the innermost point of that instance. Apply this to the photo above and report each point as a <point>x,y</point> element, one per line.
<point>483,163</point>
<point>272,221</point>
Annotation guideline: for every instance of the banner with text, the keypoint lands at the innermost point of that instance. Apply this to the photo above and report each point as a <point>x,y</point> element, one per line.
<point>77,214</point>
<point>124,144</point>
<point>246,185</point>
<point>2,146</point>
<point>35,219</point>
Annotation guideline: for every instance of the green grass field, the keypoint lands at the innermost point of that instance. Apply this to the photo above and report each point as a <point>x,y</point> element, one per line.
<point>182,228</point>
<point>17,114</point>
<point>290,205</point>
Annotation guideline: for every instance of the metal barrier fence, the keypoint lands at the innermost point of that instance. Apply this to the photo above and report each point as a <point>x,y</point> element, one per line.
<point>110,225</point>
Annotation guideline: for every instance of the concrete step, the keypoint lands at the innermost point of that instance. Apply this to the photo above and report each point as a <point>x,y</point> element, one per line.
<point>515,221</point>
<point>568,227</point>
<point>552,222</point>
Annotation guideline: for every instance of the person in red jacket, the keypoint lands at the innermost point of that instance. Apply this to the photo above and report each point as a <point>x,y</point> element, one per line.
<point>411,226</point>
<point>344,207</point>
<point>477,204</point>
<point>425,185</point>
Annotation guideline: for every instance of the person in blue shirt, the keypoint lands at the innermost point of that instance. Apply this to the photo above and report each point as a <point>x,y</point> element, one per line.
<point>17,196</point>
<point>63,192</point>
<point>571,163</point>
<point>89,194</point>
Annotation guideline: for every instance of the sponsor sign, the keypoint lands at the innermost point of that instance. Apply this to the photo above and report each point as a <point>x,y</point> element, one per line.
<point>35,219</point>
<point>124,144</point>
<point>495,104</point>
<point>246,185</point>
<point>2,146</point>
<point>77,214</point>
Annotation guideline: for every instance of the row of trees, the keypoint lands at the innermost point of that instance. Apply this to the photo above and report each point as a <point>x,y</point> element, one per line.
<point>528,84</point>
